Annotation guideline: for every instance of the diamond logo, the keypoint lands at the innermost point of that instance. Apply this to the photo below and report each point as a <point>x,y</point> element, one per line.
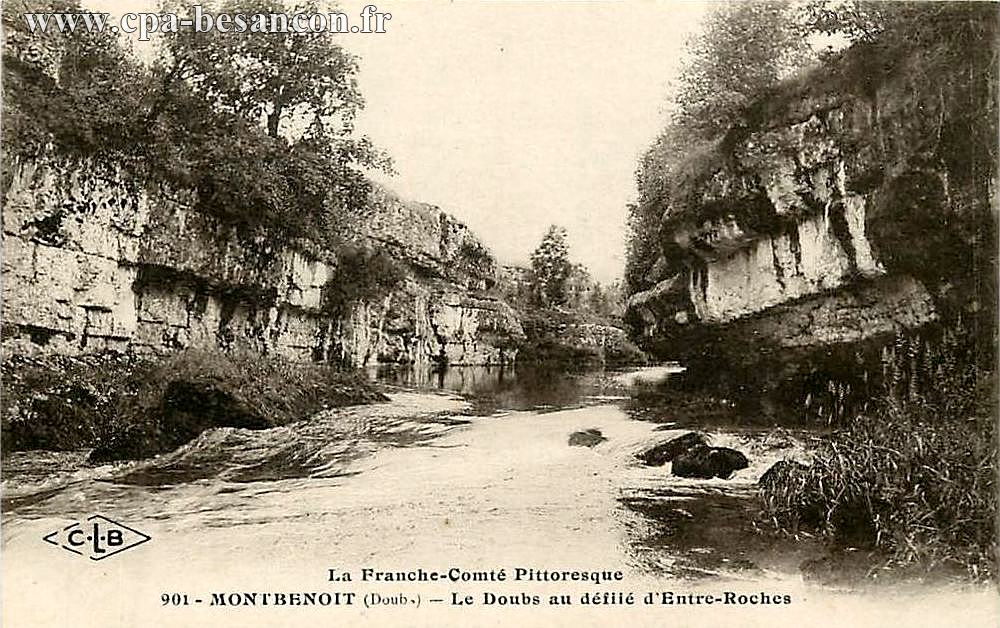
<point>96,538</point>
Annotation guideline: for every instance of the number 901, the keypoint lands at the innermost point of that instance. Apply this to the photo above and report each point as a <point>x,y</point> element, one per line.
<point>174,599</point>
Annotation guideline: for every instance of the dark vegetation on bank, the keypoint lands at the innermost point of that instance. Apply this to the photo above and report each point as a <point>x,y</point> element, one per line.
<point>571,339</point>
<point>127,408</point>
<point>911,475</point>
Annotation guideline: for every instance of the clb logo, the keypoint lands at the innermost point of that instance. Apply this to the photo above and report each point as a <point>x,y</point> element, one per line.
<point>98,538</point>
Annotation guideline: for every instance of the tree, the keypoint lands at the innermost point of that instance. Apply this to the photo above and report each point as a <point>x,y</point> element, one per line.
<point>76,92</point>
<point>550,268</point>
<point>744,48</point>
<point>272,121</point>
<point>301,85</point>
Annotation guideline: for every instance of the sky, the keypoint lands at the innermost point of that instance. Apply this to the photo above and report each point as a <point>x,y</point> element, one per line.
<point>514,116</point>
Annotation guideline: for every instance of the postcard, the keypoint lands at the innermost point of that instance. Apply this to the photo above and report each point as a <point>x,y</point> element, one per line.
<point>436,313</point>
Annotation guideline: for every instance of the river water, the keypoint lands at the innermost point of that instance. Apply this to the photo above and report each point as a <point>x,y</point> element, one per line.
<point>471,468</point>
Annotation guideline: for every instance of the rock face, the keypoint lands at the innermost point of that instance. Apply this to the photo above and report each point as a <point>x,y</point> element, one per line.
<point>93,261</point>
<point>854,202</point>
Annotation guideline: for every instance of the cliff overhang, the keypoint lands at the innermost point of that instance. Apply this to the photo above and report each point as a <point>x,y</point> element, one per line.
<point>855,200</point>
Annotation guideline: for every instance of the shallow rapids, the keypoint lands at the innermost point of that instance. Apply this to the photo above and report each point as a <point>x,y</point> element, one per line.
<point>426,480</point>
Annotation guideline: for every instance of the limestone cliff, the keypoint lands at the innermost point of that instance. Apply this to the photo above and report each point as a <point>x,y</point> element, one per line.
<point>855,201</point>
<point>95,261</point>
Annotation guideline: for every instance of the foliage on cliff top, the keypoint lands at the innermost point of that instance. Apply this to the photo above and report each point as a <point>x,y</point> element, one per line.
<point>720,99</point>
<point>281,154</point>
<point>742,48</point>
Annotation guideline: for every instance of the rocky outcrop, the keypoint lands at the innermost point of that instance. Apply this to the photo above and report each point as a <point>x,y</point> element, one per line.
<point>855,201</point>
<point>431,241</point>
<point>94,261</point>
<point>430,322</point>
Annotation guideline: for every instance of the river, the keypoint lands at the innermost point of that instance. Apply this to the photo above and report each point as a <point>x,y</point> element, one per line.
<point>472,469</point>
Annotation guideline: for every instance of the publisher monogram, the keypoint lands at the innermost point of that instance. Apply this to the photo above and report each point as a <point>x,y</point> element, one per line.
<point>97,538</point>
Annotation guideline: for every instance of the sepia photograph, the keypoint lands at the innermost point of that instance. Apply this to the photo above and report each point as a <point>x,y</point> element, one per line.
<point>468,313</point>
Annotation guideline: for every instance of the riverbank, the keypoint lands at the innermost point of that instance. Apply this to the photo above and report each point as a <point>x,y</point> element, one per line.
<point>909,477</point>
<point>125,407</point>
<point>434,488</point>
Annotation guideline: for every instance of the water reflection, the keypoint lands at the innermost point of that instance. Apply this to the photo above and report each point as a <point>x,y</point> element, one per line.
<point>539,387</point>
<point>664,394</point>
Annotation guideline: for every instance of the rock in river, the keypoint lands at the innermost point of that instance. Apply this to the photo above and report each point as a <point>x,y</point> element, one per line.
<point>706,462</point>
<point>665,452</point>
<point>586,438</point>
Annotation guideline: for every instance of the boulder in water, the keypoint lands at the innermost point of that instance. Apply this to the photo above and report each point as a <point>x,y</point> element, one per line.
<point>707,462</point>
<point>586,438</point>
<point>665,452</point>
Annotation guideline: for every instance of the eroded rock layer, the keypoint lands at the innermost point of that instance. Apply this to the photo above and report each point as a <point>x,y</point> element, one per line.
<point>855,201</point>
<point>93,261</point>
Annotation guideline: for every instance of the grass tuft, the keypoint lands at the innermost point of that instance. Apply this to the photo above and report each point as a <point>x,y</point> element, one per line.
<point>913,476</point>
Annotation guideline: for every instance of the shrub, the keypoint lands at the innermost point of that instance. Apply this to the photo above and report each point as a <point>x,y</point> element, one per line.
<point>58,402</point>
<point>363,274</point>
<point>913,476</point>
<point>131,409</point>
<point>624,353</point>
<point>475,259</point>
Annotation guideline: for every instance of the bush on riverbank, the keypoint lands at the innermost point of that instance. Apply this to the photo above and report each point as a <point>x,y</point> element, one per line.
<point>563,337</point>
<point>57,402</point>
<point>128,409</point>
<point>912,478</point>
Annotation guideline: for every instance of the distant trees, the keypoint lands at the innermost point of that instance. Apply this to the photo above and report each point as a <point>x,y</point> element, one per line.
<point>553,282</point>
<point>550,267</point>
